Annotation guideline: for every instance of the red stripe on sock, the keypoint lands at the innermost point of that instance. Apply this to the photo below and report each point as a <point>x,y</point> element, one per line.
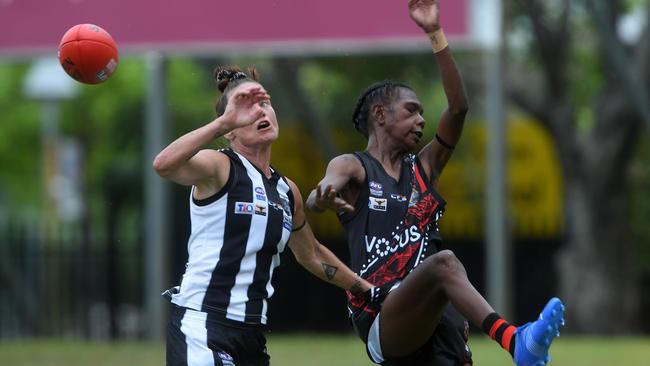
<point>495,327</point>
<point>507,336</point>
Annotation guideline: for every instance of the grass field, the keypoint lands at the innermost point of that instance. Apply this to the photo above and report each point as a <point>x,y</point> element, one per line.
<point>317,350</point>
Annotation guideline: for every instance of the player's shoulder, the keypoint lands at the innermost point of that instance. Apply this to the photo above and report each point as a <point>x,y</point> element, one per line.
<point>346,161</point>
<point>225,152</point>
<point>291,183</point>
<point>295,192</point>
<point>211,153</point>
<point>214,160</point>
<point>349,165</point>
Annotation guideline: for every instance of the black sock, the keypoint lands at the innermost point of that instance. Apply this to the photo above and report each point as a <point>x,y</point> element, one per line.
<point>499,330</point>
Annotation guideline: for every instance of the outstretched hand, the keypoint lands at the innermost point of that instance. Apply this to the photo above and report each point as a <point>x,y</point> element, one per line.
<point>426,14</point>
<point>328,199</point>
<point>244,107</point>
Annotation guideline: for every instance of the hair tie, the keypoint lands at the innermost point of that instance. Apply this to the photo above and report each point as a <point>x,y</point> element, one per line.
<point>222,74</point>
<point>238,75</point>
<point>229,75</point>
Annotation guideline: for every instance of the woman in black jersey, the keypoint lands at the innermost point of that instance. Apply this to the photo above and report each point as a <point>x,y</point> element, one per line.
<point>387,202</point>
<point>243,213</point>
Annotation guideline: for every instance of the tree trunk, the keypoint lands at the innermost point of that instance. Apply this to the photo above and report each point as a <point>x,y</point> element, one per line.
<point>597,279</point>
<point>597,284</point>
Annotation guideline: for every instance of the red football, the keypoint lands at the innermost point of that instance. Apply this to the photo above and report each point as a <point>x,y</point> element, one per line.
<point>88,53</point>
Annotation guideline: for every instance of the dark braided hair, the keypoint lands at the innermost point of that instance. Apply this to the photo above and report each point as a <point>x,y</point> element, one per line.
<point>383,92</point>
<point>227,78</point>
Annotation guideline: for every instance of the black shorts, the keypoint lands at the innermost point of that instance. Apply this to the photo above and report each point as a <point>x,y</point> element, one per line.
<point>446,347</point>
<point>195,339</point>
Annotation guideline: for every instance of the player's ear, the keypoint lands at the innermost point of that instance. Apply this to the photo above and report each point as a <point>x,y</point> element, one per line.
<point>379,113</point>
<point>230,136</point>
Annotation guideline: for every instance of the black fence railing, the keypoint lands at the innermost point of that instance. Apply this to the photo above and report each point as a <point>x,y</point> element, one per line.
<point>65,283</point>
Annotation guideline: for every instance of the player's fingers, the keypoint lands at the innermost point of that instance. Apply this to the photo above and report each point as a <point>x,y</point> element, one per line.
<point>248,92</point>
<point>260,91</point>
<point>344,206</point>
<point>318,192</point>
<point>326,192</point>
<point>260,95</point>
<point>239,96</point>
<point>251,88</point>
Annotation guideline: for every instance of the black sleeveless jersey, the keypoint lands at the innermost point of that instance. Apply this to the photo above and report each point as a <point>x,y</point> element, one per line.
<point>393,227</point>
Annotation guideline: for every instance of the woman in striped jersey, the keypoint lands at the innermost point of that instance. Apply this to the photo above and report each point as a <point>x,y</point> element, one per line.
<point>243,213</point>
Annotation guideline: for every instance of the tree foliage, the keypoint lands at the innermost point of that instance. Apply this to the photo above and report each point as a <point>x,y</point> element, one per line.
<point>579,92</point>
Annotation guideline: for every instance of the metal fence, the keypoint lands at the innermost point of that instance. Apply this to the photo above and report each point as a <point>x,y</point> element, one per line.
<point>67,283</point>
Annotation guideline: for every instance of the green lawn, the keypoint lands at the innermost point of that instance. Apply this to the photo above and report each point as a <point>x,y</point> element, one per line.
<point>316,350</point>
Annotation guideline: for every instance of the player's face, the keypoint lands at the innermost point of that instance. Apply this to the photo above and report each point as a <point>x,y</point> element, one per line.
<point>405,123</point>
<point>263,131</point>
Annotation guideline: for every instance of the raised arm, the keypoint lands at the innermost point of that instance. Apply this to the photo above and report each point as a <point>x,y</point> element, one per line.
<point>337,190</point>
<point>436,154</point>
<point>185,163</point>
<point>315,257</point>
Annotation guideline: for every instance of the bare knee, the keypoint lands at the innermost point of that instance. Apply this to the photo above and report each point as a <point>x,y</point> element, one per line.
<point>444,265</point>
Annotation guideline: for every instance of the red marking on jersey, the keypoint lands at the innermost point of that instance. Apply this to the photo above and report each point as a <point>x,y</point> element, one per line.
<point>394,268</point>
<point>418,177</point>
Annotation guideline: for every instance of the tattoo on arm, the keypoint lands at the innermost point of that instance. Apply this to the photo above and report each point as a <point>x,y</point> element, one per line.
<point>356,288</point>
<point>330,271</point>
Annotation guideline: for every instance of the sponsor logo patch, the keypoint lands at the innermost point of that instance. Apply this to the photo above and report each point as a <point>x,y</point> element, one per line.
<point>260,194</point>
<point>398,197</point>
<point>375,188</point>
<point>287,223</point>
<point>244,208</point>
<point>226,359</point>
<point>415,197</point>
<point>260,210</point>
<point>285,204</point>
<point>377,204</point>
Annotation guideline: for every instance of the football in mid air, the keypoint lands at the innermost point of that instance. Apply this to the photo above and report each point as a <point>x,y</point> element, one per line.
<point>88,53</point>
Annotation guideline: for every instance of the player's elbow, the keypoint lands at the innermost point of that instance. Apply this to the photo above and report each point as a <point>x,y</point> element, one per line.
<point>162,166</point>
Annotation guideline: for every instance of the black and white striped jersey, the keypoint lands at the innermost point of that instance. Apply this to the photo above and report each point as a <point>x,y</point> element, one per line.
<point>235,244</point>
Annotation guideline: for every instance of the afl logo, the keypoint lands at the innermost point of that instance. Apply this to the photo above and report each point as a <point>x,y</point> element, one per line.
<point>375,188</point>
<point>260,194</point>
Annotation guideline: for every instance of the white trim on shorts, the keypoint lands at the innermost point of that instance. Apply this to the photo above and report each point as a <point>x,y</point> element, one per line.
<point>194,327</point>
<point>374,342</point>
<point>196,338</point>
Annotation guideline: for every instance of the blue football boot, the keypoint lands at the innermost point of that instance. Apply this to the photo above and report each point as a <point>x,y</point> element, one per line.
<point>534,339</point>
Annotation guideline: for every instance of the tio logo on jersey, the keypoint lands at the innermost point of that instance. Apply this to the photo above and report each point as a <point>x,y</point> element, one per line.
<point>244,208</point>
